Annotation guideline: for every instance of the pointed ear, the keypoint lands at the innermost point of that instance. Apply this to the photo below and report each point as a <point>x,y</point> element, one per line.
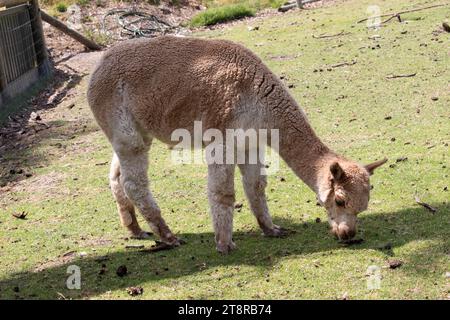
<point>337,171</point>
<point>371,167</point>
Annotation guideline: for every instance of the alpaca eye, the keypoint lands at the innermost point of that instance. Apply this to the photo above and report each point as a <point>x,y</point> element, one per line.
<point>340,202</point>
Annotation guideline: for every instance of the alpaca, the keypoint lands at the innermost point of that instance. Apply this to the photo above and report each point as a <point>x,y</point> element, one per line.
<point>144,89</point>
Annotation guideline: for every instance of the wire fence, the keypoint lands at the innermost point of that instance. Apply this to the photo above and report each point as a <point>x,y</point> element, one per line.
<point>23,54</point>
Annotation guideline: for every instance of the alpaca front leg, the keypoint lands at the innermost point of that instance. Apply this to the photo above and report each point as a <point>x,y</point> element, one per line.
<point>254,186</point>
<point>221,200</point>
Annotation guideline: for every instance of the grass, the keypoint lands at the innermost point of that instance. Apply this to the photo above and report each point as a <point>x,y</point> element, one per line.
<point>219,11</point>
<point>71,211</point>
<point>221,14</point>
<point>61,7</point>
<point>256,4</point>
<point>98,36</point>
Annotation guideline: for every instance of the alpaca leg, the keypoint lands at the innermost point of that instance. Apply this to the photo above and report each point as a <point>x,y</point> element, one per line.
<point>254,187</point>
<point>221,201</point>
<point>124,205</point>
<point>134,180</point>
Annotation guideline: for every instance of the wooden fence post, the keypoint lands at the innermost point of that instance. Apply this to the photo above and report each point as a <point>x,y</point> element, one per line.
<point>38,37</point>
<point>70,32</point>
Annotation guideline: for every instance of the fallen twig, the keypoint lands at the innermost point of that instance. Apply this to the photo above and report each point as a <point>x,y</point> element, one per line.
<point>425,205</point>
<point>287,7</point>
<point>322,36</point>
<point>399,18</point>
<point>337,65</point>
<point>394,15</point>
<point>394,76</point>
<point>160,246</point>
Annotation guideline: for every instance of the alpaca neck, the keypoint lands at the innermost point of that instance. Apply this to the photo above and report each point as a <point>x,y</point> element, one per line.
<point>299,145</point>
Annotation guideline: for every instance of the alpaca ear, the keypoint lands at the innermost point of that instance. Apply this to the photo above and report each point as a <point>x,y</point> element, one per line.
<point>371,167</point>
<point>337,171</point>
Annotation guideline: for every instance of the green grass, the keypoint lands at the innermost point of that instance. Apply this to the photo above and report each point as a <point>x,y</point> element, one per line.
<point>70,207</point>
<point>256,4</point>
<point>221,14</point>
<point>83,2</point>
<point>219,11</point>
<point>61,7</point>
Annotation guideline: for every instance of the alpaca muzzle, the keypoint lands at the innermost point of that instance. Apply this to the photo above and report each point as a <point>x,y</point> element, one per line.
<point>343,232</point>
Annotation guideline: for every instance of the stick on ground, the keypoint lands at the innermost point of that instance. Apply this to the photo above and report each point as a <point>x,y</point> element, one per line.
<point>394,76</point>
<point>322,36</point>
<point>337,65</point>
<point>425,205</point>
<point>397,14</point>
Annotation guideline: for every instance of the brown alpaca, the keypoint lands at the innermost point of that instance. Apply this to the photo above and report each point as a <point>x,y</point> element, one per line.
<point>145,89</point>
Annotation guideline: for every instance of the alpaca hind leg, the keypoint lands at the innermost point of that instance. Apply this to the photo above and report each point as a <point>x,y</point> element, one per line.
<point>124,205</point>
<point>133,178</point>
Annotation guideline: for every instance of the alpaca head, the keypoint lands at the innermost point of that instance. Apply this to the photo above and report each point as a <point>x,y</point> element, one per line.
<point>344,191</point>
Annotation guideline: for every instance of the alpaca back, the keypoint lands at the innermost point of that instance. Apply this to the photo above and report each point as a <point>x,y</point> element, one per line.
<point>169,82</point>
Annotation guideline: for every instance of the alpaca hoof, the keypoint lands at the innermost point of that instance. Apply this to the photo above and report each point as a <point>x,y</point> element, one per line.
<point>225,248</point>
<point>277,232</point>
<point>141,235</point>
<point>173,241</point>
